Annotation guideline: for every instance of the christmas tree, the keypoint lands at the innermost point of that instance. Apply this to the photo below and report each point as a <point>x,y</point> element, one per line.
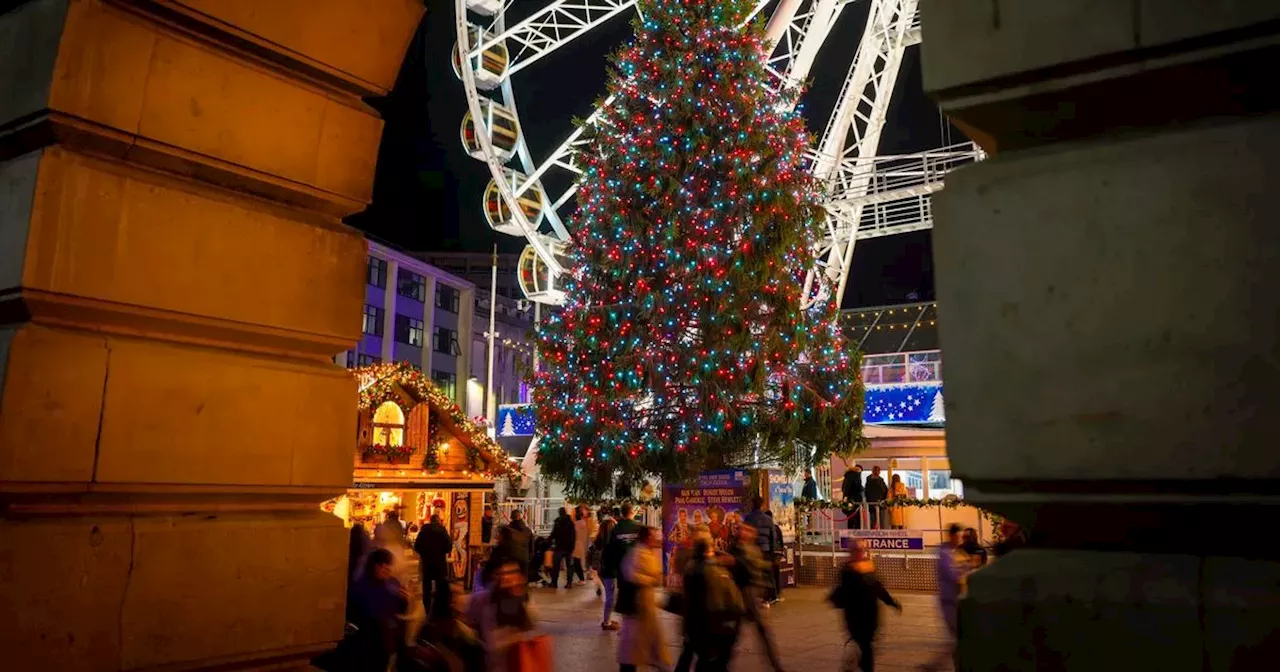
<point>938,412</point>
<point>682,344</point>
<point>508,427</point>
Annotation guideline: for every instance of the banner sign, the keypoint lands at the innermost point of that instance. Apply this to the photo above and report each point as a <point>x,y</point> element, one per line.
<point>715,501</point>
<point>782,496</point>
<point>885,540</point>
<point>515,420</point>
<point>905,403</point>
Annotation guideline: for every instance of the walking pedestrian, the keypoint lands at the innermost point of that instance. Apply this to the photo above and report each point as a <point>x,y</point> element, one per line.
<point>521,543</point>
<point>777,552</point>
<point>584,527</point>
<point>432,546</point>
<point>563,541</point>
<point>378,602</point>
<point>749,567</point>
<point>951,572</point>
<point>508,625</point>
<point>621,536</point>
<point>608,579</point>
<point>676,596</point>
<point>640,643</point>
<point>713,609</point>
<point>858,595</point>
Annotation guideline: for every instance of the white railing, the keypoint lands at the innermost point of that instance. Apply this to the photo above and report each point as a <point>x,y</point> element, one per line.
<point>540,512</point>
<point>924,366</point>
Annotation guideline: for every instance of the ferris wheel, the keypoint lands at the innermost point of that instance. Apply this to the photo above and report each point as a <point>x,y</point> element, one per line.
<point>866,196</point>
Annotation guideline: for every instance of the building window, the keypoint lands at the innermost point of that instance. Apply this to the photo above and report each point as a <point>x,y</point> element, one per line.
<point>446,341</point>
<point>447,382</point>
<point>372,320</point>
<point>351,359</point>
<point>409,330</point>
<point>447,297</point>
<point>412,285</point>
<point>377,272</point>
<point>368,360</point>
<point>388,425</point>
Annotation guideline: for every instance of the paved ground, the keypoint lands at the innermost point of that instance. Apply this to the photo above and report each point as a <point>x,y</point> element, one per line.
<point>809,633</point>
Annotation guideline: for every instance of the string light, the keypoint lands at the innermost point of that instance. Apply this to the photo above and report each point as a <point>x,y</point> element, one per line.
<point>682,340</point>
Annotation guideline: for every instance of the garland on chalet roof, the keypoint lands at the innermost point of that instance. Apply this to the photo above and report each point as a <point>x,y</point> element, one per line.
<point>378,384</point>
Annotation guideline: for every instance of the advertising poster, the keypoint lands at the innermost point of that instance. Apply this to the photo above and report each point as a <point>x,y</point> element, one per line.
<point>782,498</point>
<point>715,501</point>
<point>460,527</point>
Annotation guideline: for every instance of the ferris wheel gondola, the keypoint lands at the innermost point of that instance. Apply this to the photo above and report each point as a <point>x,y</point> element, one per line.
<point>867,196</point>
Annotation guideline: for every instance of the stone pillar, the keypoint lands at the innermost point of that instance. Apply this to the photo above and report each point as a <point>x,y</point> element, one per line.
<point>175,278</point>
<point>1107,284</point>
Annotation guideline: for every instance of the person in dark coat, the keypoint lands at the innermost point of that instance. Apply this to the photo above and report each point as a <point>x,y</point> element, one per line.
<point>851,488</point>
<point>876,491</point>
<point>858,595</point>
<point>378,600</point>
<point>521,541</point>
<point>713,609</point>
<point>764,525</point>
<point>563,539</point>
<point>810,488</point>
<point>433,546</point>
<point>486,525</point>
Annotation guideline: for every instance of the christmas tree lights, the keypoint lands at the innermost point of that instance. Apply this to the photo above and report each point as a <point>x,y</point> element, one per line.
<point>682,344</point>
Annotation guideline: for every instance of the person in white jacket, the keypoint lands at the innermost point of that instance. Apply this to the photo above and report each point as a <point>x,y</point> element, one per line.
<point>640,643</point>
<point>585,525</point>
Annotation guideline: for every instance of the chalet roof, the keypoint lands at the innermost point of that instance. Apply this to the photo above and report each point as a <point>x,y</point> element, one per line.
<point>398,380</point>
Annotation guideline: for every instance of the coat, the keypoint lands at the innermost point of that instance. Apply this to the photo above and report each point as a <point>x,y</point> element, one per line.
<point>857,595</point>
<point>586,533</point>
<point>851,486</point>
<point>898,514</point>
<point>641,643</point>
<point>563,535</point>
<point>433,546</point>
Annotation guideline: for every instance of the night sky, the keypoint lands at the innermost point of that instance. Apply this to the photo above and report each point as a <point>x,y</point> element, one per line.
<point>427,192</point>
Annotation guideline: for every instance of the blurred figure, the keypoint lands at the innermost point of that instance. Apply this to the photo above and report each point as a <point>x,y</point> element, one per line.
<point>521,541</point>
<point>1012,537</point>
<point>951,572</point>
<point>749,567</point>
<point>389,531</point>
<point>969,543</point>
<point>774,559</point>
<point>432,546</point>
<point>640,644</point>
<point>377,602</point>
<point>358,548</point>
<point>445,642</point>
<point>713,609</point>
<point>857,595</point>
<point>676,596</point>
<point>898,490</point>
<point>505,616</point>
<point>584,528</point>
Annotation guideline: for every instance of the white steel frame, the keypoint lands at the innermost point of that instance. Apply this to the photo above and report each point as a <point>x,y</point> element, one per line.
<point>868,196</point>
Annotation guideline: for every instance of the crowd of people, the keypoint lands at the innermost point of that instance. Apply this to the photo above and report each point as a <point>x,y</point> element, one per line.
<point>494,628</point>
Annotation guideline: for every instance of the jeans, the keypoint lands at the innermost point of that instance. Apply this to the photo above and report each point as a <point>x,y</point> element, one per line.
<point>755,616</point>
<point>609,586</point>
<point>559,558</point>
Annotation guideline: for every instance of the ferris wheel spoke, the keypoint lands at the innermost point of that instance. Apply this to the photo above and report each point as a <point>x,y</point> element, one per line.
<point>550,28</point>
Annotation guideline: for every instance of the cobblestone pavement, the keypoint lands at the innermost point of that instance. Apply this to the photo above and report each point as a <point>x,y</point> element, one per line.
<point>809,634</point>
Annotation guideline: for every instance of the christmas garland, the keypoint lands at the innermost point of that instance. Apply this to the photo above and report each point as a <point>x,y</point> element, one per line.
<point>432,460</point>
<point>378,384</point>
<point>805,505</point>
<point>615,503</point>
<point>389,453</point>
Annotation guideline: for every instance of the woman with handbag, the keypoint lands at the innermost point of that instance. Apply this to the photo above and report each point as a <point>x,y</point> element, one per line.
<point>640,643</point>
<point>508,628</point>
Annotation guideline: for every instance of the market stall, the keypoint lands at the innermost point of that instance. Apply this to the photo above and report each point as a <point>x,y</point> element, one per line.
<point>418,454</point>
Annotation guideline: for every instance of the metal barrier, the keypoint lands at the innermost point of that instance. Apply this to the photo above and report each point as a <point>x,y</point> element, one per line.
<point>819,527</point>
<point>541,512</point>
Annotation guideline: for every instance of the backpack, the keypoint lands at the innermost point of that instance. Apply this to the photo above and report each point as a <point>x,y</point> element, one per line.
<point>724,600</point>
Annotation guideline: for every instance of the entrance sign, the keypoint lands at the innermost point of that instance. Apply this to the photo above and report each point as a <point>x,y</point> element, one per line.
<point>885,540</point>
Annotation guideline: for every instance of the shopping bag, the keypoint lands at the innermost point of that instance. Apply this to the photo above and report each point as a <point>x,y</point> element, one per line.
<point>530,655</point>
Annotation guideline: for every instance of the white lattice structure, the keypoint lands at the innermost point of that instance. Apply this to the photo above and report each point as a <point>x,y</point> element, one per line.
<point>868,196</point>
